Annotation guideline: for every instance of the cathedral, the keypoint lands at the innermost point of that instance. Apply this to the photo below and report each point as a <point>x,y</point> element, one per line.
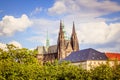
<point>67,49</point>
<point>62,49</point>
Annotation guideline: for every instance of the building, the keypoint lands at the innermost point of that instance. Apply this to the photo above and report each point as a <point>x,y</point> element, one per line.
<point>68,49</point>
<point>62,49</point>
<point>89,58</point>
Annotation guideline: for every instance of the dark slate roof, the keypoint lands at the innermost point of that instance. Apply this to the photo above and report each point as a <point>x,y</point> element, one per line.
<point>86,54</point>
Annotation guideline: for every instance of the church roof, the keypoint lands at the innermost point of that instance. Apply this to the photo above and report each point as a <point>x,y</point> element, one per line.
<point>86,54</point>
<point>52,49</point>
<point>41,50</point>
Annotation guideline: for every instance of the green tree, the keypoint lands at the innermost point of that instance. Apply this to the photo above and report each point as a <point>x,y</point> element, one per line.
<point>102,72</point>
<point>116,73</point>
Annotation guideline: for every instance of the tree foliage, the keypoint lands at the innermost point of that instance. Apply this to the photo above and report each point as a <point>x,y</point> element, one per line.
<point>21,64</point>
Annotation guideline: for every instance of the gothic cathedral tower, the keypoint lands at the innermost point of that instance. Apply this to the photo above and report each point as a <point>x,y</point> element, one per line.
<point>74,40</point>
<point>60,43</point>
<point>65,47</point>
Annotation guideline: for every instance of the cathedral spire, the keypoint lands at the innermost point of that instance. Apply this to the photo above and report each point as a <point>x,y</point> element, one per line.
<point>61,26</point>
<point>47,41</point>
<point>74,40</point>
<point>60,43</point>
<point>73,30</point>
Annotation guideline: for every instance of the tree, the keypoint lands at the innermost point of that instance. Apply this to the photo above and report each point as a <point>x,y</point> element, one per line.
<point>116,73</point>
<point>102,72</point>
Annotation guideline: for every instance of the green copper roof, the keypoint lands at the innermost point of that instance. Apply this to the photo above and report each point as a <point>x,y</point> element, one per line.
<point>47,41</point>
<point>66,36</point>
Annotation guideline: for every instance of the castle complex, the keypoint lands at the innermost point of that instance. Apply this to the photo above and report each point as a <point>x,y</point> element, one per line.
<point>68,49</point>
<point>62,49</point>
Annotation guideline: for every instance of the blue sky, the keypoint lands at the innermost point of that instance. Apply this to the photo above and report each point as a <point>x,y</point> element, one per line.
<point>25,22</point>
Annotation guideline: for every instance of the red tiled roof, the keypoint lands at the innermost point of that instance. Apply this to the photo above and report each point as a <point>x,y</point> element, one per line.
<point>113,56</point>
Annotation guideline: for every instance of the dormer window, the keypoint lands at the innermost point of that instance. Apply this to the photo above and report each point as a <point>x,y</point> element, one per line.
<point>93,57</point>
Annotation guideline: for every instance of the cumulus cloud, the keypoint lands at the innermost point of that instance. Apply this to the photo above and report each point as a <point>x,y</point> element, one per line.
<point>96,33</point>
<point>90,27</point>
<point>81,7</point>
<point>9,24</point>
<point>15,43</point>
<point>3,46</point>
<point>58,8</point>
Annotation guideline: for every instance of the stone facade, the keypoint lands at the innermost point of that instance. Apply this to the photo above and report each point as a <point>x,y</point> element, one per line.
<point>63,48</point>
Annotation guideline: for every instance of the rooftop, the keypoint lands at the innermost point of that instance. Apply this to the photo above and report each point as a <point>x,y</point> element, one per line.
<point>113,56</point>
<point>86,54</point>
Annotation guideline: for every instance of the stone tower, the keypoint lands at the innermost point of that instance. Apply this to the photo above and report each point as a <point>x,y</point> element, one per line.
<point>60,43</point>
<point>64,46</point>
<point>74,40</point>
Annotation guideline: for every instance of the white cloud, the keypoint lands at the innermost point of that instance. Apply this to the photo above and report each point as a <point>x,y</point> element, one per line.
<point>97,32</point>
<point>91,32</point>
<point>9,24</point>
<point>36,11</point>
<point>90,27</point>
<point>3,46</point>
<point>15,43</point>
<point>58,8</point>
<point>116,48</point>
<point>91,8</point>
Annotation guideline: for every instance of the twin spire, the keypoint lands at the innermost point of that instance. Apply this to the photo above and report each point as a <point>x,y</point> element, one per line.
<point>73,39</point>
<point>62,30</point>
<point>65,47</point>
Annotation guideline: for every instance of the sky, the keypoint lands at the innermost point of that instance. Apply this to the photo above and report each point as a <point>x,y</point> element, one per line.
<point>25,22</point>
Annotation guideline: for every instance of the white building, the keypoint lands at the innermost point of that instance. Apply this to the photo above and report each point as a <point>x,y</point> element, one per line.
<point>89,58</point>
